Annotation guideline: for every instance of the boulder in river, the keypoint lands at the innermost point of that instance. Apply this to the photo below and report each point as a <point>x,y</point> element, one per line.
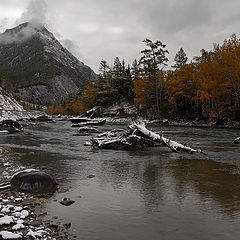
<point>31,180</point>
<point>237,140</point>
<point>11,126</point>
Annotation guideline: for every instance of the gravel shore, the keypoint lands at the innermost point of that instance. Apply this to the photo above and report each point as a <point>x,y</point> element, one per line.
<point>21,215</point>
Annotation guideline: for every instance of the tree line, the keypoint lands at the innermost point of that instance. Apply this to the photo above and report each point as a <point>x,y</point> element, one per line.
<point>208,87</point>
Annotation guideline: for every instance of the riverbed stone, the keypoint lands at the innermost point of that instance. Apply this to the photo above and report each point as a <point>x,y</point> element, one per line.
<point>67,202</point>
<point>33,181</point>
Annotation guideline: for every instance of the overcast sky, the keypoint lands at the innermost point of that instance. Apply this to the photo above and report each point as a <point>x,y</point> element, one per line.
<point>95,30</point>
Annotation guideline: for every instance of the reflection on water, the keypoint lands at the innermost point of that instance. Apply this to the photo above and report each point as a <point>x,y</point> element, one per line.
<point>151,194</point>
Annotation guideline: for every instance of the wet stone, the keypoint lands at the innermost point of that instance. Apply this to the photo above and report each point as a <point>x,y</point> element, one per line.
<point>67,202</point>
<point>33,181</point>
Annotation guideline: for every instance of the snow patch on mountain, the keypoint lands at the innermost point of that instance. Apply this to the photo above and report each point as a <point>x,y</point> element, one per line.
<point>11,109</point>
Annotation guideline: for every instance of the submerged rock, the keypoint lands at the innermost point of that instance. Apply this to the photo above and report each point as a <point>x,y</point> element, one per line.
<point>67,202</point>
<point>31,180</point>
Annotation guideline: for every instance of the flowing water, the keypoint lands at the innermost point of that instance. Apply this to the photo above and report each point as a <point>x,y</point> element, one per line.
<point>148,194</point>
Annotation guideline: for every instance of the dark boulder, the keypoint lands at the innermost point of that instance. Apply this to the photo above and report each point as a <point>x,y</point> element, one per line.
<point>11,126</point>
<point>237,140</point>
<point>31,180</point>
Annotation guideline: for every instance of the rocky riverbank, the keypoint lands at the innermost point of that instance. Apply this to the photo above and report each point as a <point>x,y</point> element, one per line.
<point>21,214</point>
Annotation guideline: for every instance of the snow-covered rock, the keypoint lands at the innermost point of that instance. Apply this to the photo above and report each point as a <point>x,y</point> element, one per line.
<point>18,225</point>
<point>6,220</point>
<point>10,235</point>
<point>36,234</point>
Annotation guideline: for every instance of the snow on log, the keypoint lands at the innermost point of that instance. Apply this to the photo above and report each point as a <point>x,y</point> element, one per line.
<point>137,137</point>
<point>122,142</point>
<point>175,146</point>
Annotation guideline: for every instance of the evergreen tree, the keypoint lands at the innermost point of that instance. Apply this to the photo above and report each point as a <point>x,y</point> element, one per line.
<point>180,59</point>
<point>104,67</point>
<point>153,56</point>
<point>135,68</point>
<point>106,90</point>
<point>127,85</point>
<point>122,80</point>
<point>123,66</point>
<point>117,68</point>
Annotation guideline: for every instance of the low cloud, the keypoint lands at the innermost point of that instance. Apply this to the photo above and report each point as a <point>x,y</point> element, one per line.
<point>36,12</point>
<point>94,30</point>
<point>17,35</point>
<point>3,24</point>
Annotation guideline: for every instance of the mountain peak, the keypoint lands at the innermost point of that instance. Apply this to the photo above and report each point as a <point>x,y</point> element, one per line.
<point>23,32</point>
<point>38,66</point>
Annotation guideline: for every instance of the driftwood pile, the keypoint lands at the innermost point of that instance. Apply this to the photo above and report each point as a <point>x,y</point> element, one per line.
<point>136,137</point>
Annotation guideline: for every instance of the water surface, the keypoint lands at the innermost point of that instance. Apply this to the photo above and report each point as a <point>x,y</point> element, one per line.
<point>148,194</point>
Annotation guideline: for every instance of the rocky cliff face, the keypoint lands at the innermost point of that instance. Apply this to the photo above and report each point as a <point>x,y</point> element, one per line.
<point>38,66</point>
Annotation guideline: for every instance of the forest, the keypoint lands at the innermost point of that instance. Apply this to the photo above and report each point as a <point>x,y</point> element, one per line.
<point>207,87</point>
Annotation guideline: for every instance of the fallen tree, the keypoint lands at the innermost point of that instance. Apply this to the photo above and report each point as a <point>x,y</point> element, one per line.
<point>136,137</point>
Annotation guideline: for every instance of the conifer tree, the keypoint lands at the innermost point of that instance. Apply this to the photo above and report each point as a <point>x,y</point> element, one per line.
<point>135,68</point>
<point>117,68</point>
<point>180,59</point>
<point>153,57</point>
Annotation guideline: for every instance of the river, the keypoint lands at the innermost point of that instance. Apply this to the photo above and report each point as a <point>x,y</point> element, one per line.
<point>150,194</point>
